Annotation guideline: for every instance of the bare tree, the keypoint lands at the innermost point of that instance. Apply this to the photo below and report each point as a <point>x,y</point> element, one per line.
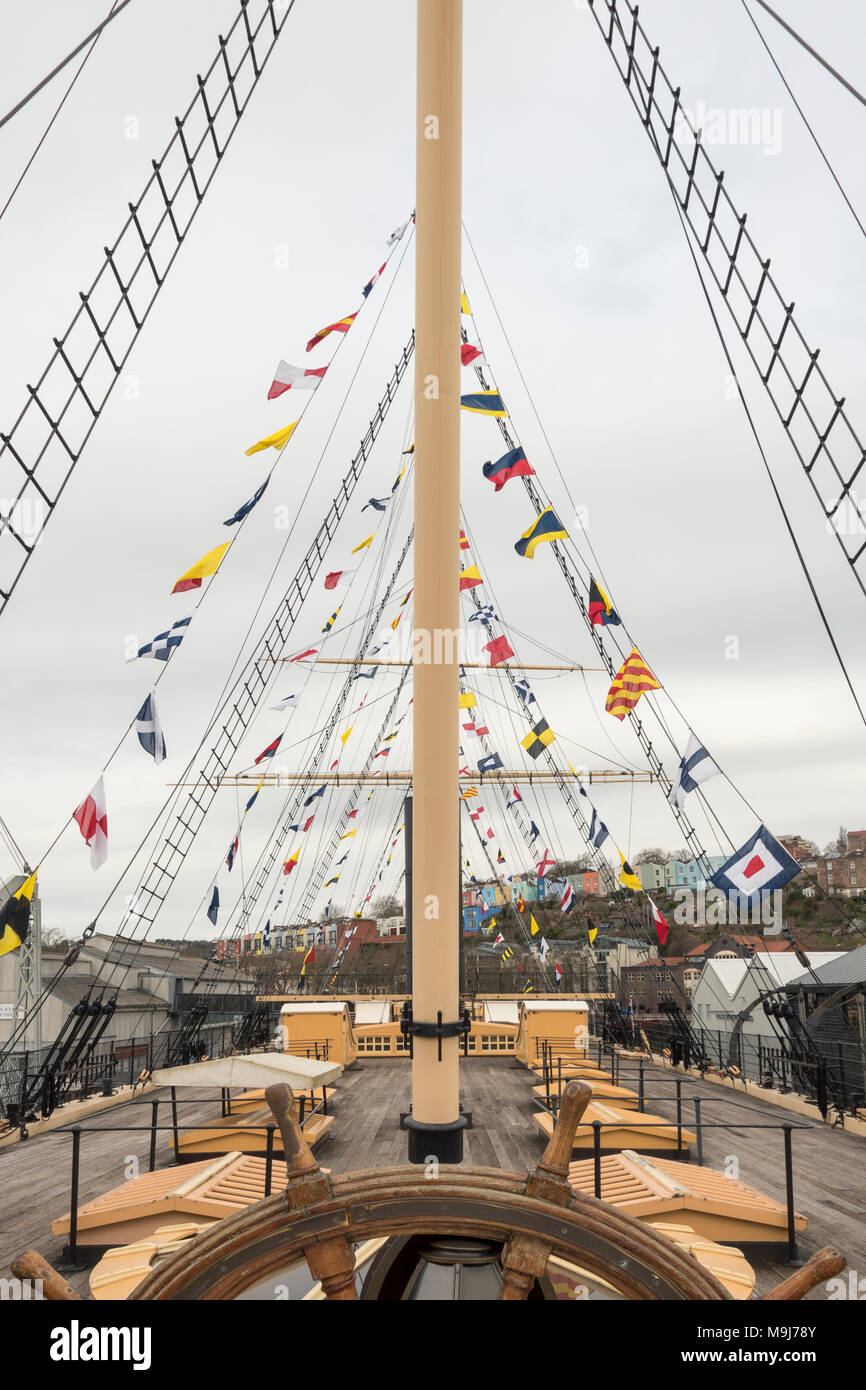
<point>386,906</point>
<point>840,844</point>
<point>651,856</point>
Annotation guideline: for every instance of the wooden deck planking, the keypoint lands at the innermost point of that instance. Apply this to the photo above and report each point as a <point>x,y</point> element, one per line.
<point>828,1186</point>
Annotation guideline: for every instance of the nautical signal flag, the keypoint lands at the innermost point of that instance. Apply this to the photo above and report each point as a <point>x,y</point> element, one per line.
<point>278,440</point>
<point>521,903</point>
<point>214,904</point>
<point>207,565</point>
<point>341,326</point>
<point>363,544</point>
<point>592,933</point>
<point>507,953</point>
<point>601,614</point>
<point>546,527</point>
<point>499,650</point>
<point>270,750</point>
<point>557,974</point>
<point>467,700</point>
<point>485,403</point>
<point>301,378</point>
<point>149,730</point>
<point>310,956</point>
<point>291,862</point>
<point>544,864</point>
<point>539,737</point>
<point>633,679</point>
<point>464,304</point>
<point>252,801</point>
<point>758,867</point>
<point>695,767</point>
<point>338,577</point>
<point>247,507</point>
<point>330,622</point>
<point>533,926</point>
<point>15,917</point>
<point>470,353</point>
<point>627,876</point>
<point>164,643</point>
<point>500,857</point>
<point>568,899</point>
<point>92,818</point>
<point>490,763</point>
<point>470,578</point>
<point>233,849</point>
<point>485,614</point>
<point>467,796</point>
<point>464,544</point>
<point>512,465</point>
<point>371,282</point>
<point>660,922</point>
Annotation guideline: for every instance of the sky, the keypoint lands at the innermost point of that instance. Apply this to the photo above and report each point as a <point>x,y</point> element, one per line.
<point>591,317</point>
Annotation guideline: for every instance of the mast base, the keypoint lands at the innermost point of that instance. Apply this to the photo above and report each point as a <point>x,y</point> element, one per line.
<point>443,1142</point>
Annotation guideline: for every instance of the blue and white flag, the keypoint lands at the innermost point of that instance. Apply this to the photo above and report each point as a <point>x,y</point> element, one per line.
<point>377,503</point>
<point>214,906</point>
<point>485,614</point>
<point>524,691</point>
<point>164,643</point>
<point>598,831</point>
<point>149,730</point>
<point>490,763</point>
<point>568,899</point>
<point>758,867</point>
<point>311,798</point>
<point>365,675</point>
<point>543,950</point>
<point>247,507</point>
<point>534,831</point>
<point>266,936</point>
<point>696,767</point>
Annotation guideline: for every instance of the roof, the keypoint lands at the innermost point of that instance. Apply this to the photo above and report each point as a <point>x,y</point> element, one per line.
<point>544,1006</point>
<point>337,1007</point>
<point>501,1010</point>
<point>71,988</point>
<point>254,1069</point>
<point>373,1011</point>
<point>848,968</point>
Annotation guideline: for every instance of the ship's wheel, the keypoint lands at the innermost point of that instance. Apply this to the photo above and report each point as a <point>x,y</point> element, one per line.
<point>531,1218</point>
<point>450,1214</point>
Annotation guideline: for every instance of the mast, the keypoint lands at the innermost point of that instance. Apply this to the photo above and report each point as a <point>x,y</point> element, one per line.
<point>435,1125</point>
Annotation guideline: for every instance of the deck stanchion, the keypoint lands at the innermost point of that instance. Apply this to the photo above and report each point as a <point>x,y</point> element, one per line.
<point>269,1158</point>
<point>787,1130</point>
<point>679,1115</point>
<point>73,1209</point>
<point>641,1103</point>
<point>154,1113</point>
<point>174,1122</point>
<point>699,1130</point>
<point>596,1155</point>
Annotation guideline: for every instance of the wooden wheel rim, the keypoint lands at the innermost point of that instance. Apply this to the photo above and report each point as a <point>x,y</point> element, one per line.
<point>243,1250</point>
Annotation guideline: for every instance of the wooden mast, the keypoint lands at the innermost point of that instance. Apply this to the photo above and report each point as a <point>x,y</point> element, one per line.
<point>435,1126</point>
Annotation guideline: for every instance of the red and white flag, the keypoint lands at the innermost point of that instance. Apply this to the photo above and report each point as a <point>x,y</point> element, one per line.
<point>661,925</point>
<point>470,353</point>
<point>545,863</point>
<point>92,818</point>
<point>336,577</point>
<point>303,379</point>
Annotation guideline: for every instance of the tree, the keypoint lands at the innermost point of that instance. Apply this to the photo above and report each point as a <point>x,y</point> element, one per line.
<point>651,856</point>
<point>335,912</point>
<point>840,844</point>
<point>386,906</point>
<point>54,940</point>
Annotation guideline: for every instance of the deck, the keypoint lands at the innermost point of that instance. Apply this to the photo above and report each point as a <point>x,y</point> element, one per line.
<point>828,1165</point>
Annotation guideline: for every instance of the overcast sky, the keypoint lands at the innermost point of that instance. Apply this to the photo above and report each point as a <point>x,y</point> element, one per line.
<point>579,244</point>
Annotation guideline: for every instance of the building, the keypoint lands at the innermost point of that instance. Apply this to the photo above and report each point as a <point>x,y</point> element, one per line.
<point>649,982</point>
<point>856,840</point>
<point>840,875</point>
<point>652,876</point>
<point>730,988</point>
<point>800,848</point>
<point>737,946</point>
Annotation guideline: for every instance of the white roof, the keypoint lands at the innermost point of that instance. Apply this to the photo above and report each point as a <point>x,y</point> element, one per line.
<point>373,1011</point>
<point>337,1007</point>
<point>253,1070</point>
<point>543,1006</point>
<point>501,1011</point>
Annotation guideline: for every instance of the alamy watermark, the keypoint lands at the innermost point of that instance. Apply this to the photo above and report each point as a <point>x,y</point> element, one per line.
<point>760,126</point>
<point>713,908</point>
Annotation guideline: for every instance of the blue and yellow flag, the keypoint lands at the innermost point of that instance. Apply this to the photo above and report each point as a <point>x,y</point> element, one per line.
<point>485,403</point>
<point>546,527</point>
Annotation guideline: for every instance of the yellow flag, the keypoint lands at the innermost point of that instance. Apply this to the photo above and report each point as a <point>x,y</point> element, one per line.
<point>344,736</point>
<point>15,917</point>
<point>279,440</point>
<point>533,925</point>
<point>467,700</point>
<point>349,833</point>
<point>469,793</point>
<point>593,933</point>
<point>207,565</point>
<point>363,544</point>
<point>464,304</point>
<point>628,878</point>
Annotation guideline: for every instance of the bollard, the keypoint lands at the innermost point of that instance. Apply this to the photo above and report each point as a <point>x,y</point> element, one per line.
<point>596,1155</point>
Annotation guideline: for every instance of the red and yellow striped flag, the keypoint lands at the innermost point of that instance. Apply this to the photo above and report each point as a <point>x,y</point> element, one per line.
<point>341,326</point>
<point>631,681</point>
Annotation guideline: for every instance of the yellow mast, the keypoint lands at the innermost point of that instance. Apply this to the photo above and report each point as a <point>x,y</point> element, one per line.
<point>435,1126</point>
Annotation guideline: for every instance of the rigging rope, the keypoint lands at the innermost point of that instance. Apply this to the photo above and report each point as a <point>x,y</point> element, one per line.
<point>812,52</point>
